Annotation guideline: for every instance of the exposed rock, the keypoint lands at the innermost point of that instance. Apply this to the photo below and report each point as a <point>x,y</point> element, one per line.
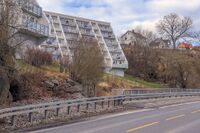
<point>49,84</point>
<point>55,82</point>
<point>71,82</point>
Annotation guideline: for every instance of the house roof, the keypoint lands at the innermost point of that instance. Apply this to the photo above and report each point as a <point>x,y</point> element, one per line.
<point>138,35</point>
<point>158,41</point>
<point>184,45</point>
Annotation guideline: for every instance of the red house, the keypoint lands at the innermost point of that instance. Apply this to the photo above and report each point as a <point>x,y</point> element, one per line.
<point>185,45</point>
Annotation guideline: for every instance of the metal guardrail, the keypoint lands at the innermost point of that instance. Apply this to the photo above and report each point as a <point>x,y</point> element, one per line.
<point>114,100</point>
<point>149,90</point>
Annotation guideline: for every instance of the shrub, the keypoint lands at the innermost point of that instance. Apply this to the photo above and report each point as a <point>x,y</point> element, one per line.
<point>38,57</point>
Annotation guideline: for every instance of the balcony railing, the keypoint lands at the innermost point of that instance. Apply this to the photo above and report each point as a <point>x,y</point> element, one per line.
<point>87,33</point>
<point>71,31</point>
<point>122,65</point>
<point>85,26</point>
<point>31,8</point>
<point>68,24</point>
<point>108,36</point>
<point>36,29</point>
<point>108,29</point>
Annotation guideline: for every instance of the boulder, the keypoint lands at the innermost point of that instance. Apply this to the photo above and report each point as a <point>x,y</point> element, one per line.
<point>71,82</point>
<point>49,84</point>
<point>55,82</point>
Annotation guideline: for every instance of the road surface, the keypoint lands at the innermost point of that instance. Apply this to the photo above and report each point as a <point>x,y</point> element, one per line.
<point>182,118</point>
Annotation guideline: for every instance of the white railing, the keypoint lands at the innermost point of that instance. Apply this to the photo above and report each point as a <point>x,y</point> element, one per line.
<point>30,8</point>
<point>35,27</point>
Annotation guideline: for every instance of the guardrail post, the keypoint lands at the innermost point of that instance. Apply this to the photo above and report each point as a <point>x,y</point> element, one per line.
<point>118,102</point>
<point>114,102</point>
<point>45,114</point>
<point>57,112</point>
<point>108,104</point>
<point>87,106</point>
<point>30,116</point>
<point>102,104</point>
<point>95,105</point>
<point>68,110</point>
<point>13,120</point>
<point>78,108</point>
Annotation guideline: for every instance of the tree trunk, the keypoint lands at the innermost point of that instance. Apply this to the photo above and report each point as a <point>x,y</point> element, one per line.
<point>4,86</point>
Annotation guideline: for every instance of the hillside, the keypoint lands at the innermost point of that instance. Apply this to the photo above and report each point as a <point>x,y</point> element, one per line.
<point>47,83</point>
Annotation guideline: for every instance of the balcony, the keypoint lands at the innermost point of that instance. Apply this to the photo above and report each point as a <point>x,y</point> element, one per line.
<point>85,26</point>
<point>114,50</point>
<point>31,8</point>
<point>107,29</point>
<point>71,31</point>
<point>122,65</point>
<point>35,29</point>
<point>107,36</point>
<point>109,44</point>
<point>72,24</point>
<point>87,33</point>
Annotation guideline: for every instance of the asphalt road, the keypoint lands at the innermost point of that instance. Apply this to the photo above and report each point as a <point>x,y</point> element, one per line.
<point>182,118</point>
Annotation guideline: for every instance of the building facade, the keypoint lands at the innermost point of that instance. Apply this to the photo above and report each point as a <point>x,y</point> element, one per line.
<point>33,26</point>
<point>65,30</point>
<point>57,34</point>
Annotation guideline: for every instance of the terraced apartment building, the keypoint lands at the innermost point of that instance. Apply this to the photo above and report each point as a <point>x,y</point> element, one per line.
<point>57,34</point>
<point>33,26</point>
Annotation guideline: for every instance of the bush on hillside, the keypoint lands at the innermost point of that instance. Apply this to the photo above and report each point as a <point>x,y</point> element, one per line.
<point>38,57</point>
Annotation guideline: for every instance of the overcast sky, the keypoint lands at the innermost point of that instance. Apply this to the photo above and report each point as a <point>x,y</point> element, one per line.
<point>125,14</point>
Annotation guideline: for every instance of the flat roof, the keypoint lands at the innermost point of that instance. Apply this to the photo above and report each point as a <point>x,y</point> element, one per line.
<point>76,17</point>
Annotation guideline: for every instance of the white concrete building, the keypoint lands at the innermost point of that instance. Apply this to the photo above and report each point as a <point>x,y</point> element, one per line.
<point>65,29</point>
<point>32,24</point>
<point>56,33</point>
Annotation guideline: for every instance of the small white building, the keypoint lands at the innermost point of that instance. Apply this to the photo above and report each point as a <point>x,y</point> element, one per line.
<point>131,38</point>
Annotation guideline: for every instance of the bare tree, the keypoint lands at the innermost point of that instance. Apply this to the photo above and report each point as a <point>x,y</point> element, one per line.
<point>149,35</point>
<point>87,65</point>
<point>174,27</point>
<point>8,32</point>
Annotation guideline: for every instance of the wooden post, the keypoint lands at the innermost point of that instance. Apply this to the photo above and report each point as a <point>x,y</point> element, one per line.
<point>13,120</point>
<point>30,116</point>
